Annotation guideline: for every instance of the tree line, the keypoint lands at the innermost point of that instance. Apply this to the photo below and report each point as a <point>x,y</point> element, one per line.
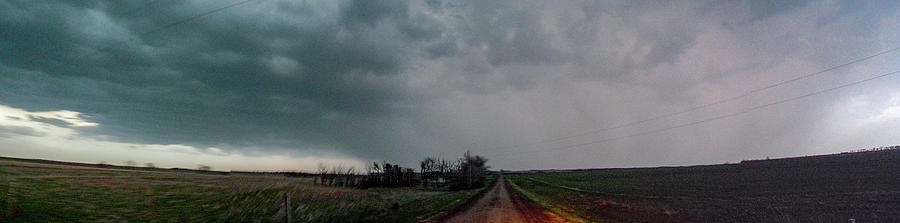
<point>466,172</point>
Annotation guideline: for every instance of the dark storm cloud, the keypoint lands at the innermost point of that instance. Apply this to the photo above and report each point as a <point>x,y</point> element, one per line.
<point>371,12</point>
<point>403,79</point>
<point>290,76</point>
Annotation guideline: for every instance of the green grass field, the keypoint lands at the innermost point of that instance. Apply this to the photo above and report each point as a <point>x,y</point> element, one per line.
<point>41,192</point>
<point>835,188</point>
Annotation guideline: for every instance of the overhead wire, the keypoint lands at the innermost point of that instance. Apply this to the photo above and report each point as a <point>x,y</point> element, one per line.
<point>161,28</point>
<point>57,47</point>
<point>745,111</point>
<point>146,33</point>
<point>691,109</point>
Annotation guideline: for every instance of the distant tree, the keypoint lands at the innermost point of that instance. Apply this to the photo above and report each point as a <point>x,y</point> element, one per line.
<point>334,174</point>
<point>130,163</point>
<point>349,176</point>
<point>465,173</point>
<point>323,173</point>
<point>472,171</point>
<point>150,165</point>
<point>427,168</point>
<point>204,168</point>
<point>388,173</point>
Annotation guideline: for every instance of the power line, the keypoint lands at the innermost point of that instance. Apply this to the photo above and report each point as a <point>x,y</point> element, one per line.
<point>58,46</point>
<point>197,16</point>
<point>142,7</point>
<point>179,22</point>
<point>161,28</point>
<point>748,110</point>
<point>721,101</point>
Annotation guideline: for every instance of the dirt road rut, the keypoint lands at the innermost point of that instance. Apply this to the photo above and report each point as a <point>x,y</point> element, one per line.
<point>501,203</point>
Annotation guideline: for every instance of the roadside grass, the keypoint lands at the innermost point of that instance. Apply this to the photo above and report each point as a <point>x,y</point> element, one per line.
<point>59,193</point>
<point>568,215</point>
<point>425,208</point>
<point>864,187</point>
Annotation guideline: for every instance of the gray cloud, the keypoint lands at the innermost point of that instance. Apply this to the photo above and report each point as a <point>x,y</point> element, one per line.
<point>763,9</point>
<point>11,131</point>
<point>400,79</point>
<point>52,121</point>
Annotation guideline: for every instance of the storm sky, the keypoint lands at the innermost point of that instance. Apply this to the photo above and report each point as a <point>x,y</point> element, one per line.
<point>286,85</point>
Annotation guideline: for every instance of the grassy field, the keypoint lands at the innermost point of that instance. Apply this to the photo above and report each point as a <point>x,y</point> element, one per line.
<point>41,192</point>
<point>833,188</point>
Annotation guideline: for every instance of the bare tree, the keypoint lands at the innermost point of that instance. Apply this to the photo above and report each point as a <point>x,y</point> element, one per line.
<point>427,174</point>
<point>335,176</point>
<point>322,171</point>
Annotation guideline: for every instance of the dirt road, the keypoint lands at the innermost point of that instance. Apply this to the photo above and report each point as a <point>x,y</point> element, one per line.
<point>501,203</point>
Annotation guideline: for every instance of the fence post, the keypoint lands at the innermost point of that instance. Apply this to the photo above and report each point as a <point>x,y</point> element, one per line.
<point>287,207</point>
<point>12,199</point>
